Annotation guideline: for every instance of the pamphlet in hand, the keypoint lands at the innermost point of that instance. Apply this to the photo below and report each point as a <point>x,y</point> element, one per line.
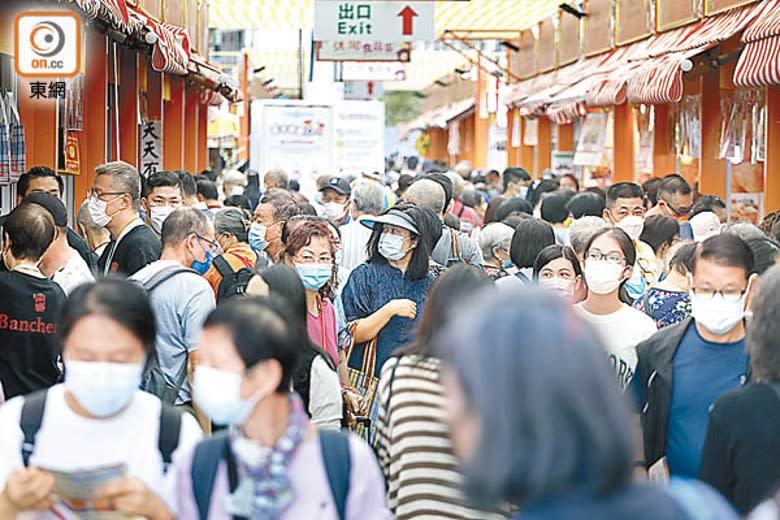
<point>76,490</point>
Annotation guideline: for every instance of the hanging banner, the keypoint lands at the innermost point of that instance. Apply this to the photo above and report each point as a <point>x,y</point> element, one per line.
<point>674,13</point>
<point>531,127</point>
<point>453,140</point>
<point>592,143</point>
<point>72,155</point>
<point>633,21</point>
<point>718,6</point>
<point>151,148</point>
<point>355,50</point>
<point>515,128</point>
<point>358,137</point>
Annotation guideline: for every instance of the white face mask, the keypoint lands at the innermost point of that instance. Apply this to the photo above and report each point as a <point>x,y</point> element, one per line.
<point>717,314</point>
<point>603,277</point>
<point>158,214</point>
<point>633,226</point>
<point>102,388</point>
<point>97,212</point>
<point>561,285</point>
<point>218,394</point>
<point>334,211</point>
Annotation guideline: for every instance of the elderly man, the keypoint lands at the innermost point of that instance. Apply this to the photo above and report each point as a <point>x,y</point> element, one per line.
<point>367,201</point>
<point>271,213</point>
<point>276,180</point>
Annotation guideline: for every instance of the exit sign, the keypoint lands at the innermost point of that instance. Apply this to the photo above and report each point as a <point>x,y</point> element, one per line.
<point>392,21</point>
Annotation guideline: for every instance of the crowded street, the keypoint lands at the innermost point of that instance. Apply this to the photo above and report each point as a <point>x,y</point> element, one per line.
<point>388,259</point>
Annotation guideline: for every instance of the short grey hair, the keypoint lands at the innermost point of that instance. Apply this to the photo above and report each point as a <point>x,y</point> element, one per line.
<point>426,193</point>
<point>182,223</point>
<point>765,329</point>
<point>744,230</point>
<point>235,221</point>
<point>458,184</point>
<point>495,234</point>
<point>278,178</point>
<point>124,177</point>
<point>368,197</point>
<point>582,230</point>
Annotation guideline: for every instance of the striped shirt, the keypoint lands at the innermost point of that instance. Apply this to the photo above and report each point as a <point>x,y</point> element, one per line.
<point>414,447</point>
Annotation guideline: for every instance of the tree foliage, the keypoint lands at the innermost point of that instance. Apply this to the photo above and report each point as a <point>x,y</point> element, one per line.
<point>401,106</point>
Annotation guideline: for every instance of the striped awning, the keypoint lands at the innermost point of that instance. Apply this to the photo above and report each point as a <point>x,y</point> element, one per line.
<point>563,114</point>
<point>267,14</point>
<point>759,63</point>
<point>438,117</point>
<point>492,16</point>
<point>609,87</point>
<point>659,79</point>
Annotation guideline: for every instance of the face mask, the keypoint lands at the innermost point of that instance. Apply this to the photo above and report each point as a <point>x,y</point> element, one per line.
<point>218,394</point>
<point>717,314</point>
<point>523,192</point>
<point>158,214</point>
<point>202,267</point>
<point>603,277</point>
<point>102,388</point>
<point>507,264</point>
<point>560,285</point>
<point>391,246</point>
<point>235,190</point>
<point>97,212</point>
<point>334,211</point>
<point>256,237</point>
<point>633,226</point>
<point>314,276</point>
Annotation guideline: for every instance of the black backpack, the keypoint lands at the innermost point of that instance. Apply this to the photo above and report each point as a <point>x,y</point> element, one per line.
<point>210,452</point>
<point>32,416</point>
<point>153,379</point>
<point>234,283</point>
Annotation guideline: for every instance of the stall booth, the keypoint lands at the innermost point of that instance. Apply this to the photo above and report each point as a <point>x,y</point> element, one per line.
<point>141,97</point>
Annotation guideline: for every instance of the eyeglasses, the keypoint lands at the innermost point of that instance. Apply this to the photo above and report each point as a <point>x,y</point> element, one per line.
<point>94,193</point>
<point>731,295</point>
<point>213,247</point>
<point>610,258</point>
<point>307,218</point>
<point>307,258</point>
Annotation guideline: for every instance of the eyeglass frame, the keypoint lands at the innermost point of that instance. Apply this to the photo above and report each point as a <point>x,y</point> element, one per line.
<point>599,256</point>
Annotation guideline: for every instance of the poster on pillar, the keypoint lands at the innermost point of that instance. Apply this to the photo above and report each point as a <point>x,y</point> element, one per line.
<point>151,147</point>
<point>496,154</point>
<point>591,146</point>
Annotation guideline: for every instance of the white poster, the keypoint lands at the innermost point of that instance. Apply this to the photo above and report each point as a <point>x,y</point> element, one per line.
<point>295,138</point>
<point>359,137</point>
<point>497,156</point>
<point>592,143</point>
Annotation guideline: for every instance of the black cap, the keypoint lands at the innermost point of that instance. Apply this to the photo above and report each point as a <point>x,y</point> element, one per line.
<point>52,204</point>
<point>338,185</point>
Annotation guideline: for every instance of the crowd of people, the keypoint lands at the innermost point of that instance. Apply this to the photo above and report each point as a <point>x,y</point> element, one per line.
<point>431,344</point>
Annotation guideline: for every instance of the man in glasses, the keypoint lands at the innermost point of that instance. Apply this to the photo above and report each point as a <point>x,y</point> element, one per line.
<point>684,368</point>
<point>114,202</point>
<point>181,298</point>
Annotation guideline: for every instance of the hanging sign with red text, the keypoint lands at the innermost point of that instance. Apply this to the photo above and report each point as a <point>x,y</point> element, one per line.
<point>390,21</point>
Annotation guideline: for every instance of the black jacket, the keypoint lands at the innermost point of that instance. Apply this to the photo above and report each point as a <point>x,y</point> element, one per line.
<point>654,370</point>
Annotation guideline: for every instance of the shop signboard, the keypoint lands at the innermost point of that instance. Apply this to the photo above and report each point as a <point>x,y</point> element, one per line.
<point>151,147</point>
<point>718,6</point>
<point>358,137</point>
<point>633,21</point>
<point>598,27</point>
<point>548,50</point>
<point>372,71</point>
<point>675,13</point>
<point>357,50</point>
<point>388,21</point>
<point>568,39</point>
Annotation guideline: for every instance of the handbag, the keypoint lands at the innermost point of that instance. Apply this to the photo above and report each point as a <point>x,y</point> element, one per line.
<point>18,145</point>
<point>5,146</point>
<point>364,383</point>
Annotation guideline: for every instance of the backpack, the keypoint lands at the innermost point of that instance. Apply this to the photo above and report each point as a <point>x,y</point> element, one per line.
<point>234,283</point>
<point>32,416</point>
<point>209,453</point>
<point>153,379</point>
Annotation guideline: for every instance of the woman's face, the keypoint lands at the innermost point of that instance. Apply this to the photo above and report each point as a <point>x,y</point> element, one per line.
<point>100,338</point>
<point>607,249</point>
<point>560,276</point>
<point>567,183</point>
<point>463,423</point>
<point>409,242</point>
<point>318,251</point>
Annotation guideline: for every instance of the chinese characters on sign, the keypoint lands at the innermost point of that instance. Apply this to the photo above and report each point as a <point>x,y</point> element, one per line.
<point>350,18</point>
<point>151,147</point>
<point>50,90</point>
<point>357,50</point>
<point>373,21</point>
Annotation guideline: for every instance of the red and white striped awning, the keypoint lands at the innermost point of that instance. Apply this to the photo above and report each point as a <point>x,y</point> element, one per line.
<point>659,79</point>
<point>759,63</point>
<point>609,87</point>
<point>565,113</point>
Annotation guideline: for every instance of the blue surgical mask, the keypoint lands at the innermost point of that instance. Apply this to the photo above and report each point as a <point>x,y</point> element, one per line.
<point>202,267</point>
<point>314,276</point>
<point>218,394</point>
<point>391,246</point>
<point>103,389</point>
<point>507,264</point>
<point>256,237</point>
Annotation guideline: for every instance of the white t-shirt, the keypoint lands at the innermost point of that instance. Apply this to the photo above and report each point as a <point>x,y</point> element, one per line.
<point>69,442</point>
<point>75,272</point>
<point>621,331</point>
<point>325,404</point>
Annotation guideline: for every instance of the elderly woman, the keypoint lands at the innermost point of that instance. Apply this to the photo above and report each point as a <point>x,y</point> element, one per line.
<point>230,272</point>
<point>495,240</point>
<point>741,455</point>
<point>553,433</point>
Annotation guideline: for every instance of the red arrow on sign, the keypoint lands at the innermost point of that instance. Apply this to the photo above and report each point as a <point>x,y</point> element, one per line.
<point>407,14</point>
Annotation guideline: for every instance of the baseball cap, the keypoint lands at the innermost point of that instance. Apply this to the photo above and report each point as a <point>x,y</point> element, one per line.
<point>51,203</point>
<point>338,185</point>
<point>393,217</point>
<point>704,225</point>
